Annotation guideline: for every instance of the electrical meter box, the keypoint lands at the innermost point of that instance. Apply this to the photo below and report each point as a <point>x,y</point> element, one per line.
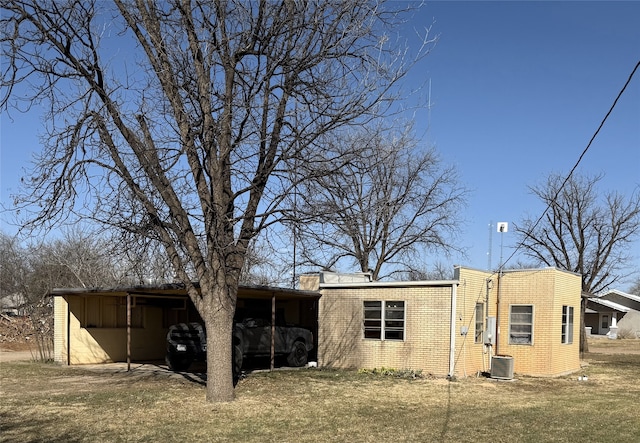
<point>490,332</point>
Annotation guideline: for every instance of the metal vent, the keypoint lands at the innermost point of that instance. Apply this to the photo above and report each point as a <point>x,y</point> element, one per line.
<point>502,367</point>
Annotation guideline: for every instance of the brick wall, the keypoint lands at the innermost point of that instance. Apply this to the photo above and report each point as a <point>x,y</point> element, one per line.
<point>427,323</point>
<point>426,341</point>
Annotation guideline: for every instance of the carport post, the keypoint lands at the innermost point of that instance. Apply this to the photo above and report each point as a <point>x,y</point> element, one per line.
<point>273,331</point>
<point>67,299</point>
<point>128,331</point>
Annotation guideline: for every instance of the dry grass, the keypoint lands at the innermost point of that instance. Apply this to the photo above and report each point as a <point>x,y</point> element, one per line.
<point>49,403</point>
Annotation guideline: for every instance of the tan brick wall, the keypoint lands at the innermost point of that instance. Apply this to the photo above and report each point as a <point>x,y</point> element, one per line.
<point>547,290</point>
<point>426,344</point>
<point>427,317</point>
<point>471,357</point>
<point>59,330</point>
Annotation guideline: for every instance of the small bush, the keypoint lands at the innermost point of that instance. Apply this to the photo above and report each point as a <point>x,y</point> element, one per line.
<point>390,372</point>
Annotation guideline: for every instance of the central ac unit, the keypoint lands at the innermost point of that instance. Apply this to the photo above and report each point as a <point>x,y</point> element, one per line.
<point>502,367</point>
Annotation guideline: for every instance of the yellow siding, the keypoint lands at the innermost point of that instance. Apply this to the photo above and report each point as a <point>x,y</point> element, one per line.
<point>90,344</point>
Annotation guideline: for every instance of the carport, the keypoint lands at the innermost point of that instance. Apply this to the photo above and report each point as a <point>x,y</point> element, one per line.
<point>103,325</point>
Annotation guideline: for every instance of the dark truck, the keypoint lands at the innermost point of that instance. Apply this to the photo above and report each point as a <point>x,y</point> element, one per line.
<point>187,342</point>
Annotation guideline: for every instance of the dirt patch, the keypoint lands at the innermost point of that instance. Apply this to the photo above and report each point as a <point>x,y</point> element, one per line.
<point>11,355</point>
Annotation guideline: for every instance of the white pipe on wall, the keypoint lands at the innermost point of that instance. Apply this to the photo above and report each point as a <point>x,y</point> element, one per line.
<point>452,332</point>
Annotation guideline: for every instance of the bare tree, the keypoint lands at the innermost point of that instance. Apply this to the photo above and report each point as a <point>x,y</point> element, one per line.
<point>265,267</point>
<point>177,121</point>
<point>438,271</point>
<point>30,272</point>
<point>390,202</point>
<point>635,287</point>
<point>13,271</point>
<point>583,231</point>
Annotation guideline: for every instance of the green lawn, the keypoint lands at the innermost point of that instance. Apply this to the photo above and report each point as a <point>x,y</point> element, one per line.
<point>50,403</point>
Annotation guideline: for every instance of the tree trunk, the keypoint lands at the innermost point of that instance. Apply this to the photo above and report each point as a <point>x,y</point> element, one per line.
<point>219,325</point>
<point>584,345</point>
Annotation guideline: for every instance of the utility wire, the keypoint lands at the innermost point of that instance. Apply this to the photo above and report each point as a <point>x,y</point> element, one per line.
<point>528,234</point>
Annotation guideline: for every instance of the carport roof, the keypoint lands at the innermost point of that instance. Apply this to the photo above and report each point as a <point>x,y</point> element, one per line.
<point>179,290</point>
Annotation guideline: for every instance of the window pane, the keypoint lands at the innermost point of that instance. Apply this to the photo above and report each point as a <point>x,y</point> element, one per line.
<point>570,325</point>
<point>398,324</point>
<point>567,324</point>
<point>521,324</point>
<point>389,314</point>
<point>521,329</point>
<point>521,318</point>
<point>393,335</point>
<point>519,339</point>
<point>479,322</point>
<point>372,319</point>
<point>370,333</point>
<point>394,320</point>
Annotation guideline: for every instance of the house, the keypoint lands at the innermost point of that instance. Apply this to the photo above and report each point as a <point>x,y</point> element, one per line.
<point>613,313</point>
<point>451,327</point>
<point>125,324</point>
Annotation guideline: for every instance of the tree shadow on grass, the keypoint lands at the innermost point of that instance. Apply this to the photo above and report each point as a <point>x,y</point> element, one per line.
<point>15,429</point>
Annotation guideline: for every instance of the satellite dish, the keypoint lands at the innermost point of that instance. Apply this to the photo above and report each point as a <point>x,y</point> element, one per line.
<point>503,227</point>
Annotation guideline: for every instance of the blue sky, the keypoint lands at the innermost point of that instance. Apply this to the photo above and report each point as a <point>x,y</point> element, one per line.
<point>517,91</point>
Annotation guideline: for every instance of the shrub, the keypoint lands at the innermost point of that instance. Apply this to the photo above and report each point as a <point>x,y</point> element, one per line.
<point>397,373</point>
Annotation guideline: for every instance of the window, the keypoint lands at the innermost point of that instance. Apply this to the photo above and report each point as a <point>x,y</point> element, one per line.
<point>479,322</point>
<point>384,324</point>
<point>521,324</point>
<point>605,322</point>
<point>373,319</point>
<point>567,325</point>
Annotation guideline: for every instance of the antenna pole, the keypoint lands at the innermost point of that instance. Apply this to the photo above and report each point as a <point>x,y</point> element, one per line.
<point>490,245</point>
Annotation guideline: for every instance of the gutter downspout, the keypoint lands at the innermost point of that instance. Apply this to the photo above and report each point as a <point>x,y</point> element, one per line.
<point>452,331</point>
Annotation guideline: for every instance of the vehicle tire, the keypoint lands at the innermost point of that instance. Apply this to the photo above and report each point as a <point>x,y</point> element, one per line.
<point>178,363</point>
<point>237,358</point>
<point>237,363</point>
<point>298,355</point>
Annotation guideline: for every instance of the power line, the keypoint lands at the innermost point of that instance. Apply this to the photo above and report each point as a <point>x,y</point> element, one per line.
<point>595,134</point>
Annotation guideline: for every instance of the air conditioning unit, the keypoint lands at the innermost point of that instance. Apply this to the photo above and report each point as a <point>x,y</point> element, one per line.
<point>502,367</point>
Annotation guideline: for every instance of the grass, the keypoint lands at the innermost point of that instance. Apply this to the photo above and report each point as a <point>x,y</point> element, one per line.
<point>50,403</point>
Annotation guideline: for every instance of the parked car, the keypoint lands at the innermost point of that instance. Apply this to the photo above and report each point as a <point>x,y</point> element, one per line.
<point>187,342</point>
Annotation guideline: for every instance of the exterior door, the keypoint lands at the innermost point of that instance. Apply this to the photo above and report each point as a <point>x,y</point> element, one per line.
<point>605,323</point>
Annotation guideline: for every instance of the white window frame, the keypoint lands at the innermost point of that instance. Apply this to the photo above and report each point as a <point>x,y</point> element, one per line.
<point>512,324</point>
<point>385,329</point>
<point>479,331</point>
<point>566,336</point>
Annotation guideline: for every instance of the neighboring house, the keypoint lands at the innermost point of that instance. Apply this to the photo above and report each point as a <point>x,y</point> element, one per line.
<point>613,309</point>
<point>440,327</point>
